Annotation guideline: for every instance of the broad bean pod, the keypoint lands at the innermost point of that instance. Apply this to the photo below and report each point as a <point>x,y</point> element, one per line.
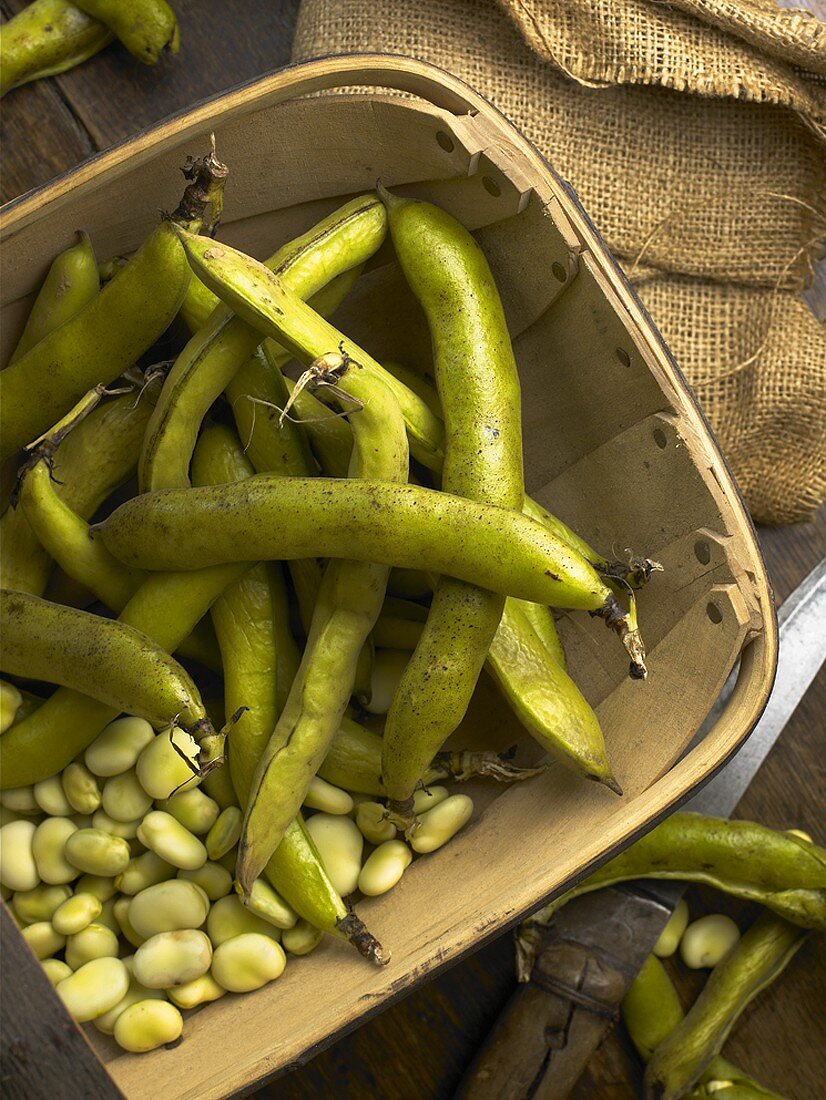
<point>651,1010</point>
<point>752,964</point>
<point>207,364</point>
<point>267,518</point>
<point>349,602</point>
<point>46,38</point>
<point>71,282</point>
<point>111,332</point>
<point>741,858</point>
<point>260,662</point>
<point>103,658</point>
<point>165,608</point>
<point>146,27</point>
<point>480,396</point>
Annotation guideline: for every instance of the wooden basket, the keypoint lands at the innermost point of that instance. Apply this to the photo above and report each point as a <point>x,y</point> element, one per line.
<point>614,444</point>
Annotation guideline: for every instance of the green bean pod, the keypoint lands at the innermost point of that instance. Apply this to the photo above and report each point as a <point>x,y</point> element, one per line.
<point>480,396</point>
<point>348,604</point>
<point>46,38</point>
<point>146,27</point>
<point>66,537</point>
<point>71,282</point>
<point>103,658</point>
<point>651,1011</point>
<point>741,858</point>
<point>266,302</point>
<point>207,364</point>
<point>251,618</point>
<point>110,333</point>
<point>541,620</point>
<point>165,608</point>
<point>198,303</point>
<point>267,518</point>
<point>751,965</point>
<point>545,699</point>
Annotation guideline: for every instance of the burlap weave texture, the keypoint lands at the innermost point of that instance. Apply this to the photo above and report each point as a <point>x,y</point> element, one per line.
<point>694,133</point>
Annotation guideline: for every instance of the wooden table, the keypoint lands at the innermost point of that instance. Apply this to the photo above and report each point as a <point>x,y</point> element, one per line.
<point>418,1049</point>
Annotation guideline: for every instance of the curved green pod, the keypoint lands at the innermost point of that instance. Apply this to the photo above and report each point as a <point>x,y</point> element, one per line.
<point>206,366</point>
<point>741,858</point>
<point>145,27</point>
<point>106,659</point>
<point>46,38</point>
<point>268,518</point>
<point>112,331</point>
<point>71,282</point>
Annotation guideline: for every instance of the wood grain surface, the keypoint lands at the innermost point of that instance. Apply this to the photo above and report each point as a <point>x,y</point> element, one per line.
<point>419,1048</point>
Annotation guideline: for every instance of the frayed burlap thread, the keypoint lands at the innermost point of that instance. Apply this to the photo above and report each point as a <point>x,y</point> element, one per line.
<point>693,133</point>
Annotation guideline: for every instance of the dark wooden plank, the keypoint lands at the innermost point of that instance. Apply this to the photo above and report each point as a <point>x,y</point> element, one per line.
<point>40,137</point>
<point>114,95</point>
<point>44,1053</point>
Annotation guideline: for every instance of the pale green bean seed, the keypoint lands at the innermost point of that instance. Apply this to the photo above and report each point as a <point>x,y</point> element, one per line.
<point>10,702</point>
<point>49,850</point>
<point>173,958</point>
<point>51,798</point>
<point>126,829</point>
<point>142,871</point>
<point>94,989</point>
<point>147,1025</point>
<point>322,795</point>
<point>247,962</point>
<point>214,880</point>
<point>229,860</point>
<point>40,903</point>
<point>372,821</point>
<point>96,941</point>
<point>671,935</point>
<point>442,823</point>
<point>195,810</point>
<point>165,836</point>
<point>18,870</point>
<point>340,845</point>
<point>384,868</point>
<point>122,906</point>
<point>56,970</point>
<point>428,798</point>
<point>799,833</point>
<point>43,939</point>
<point>76,913</point>
<point>168,906</point>
<point>20,799</point>
<point>136,992</point>
<point>708,940</point>
<point>228,918</point>
<point>225,833</point>
<point>96,852</point>
<point>123,798</point>
<point>81,788</point>
<point>107,917</point>
<point>161,770</point>
<point>269,905</point>
<point>101,886</point>
<point>117,747</point>
<point>200,991</point>
<point>388,668</point>
<point>302,938</point>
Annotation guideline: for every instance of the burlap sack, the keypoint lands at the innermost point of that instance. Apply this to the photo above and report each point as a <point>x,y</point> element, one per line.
<point>694,135</point>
